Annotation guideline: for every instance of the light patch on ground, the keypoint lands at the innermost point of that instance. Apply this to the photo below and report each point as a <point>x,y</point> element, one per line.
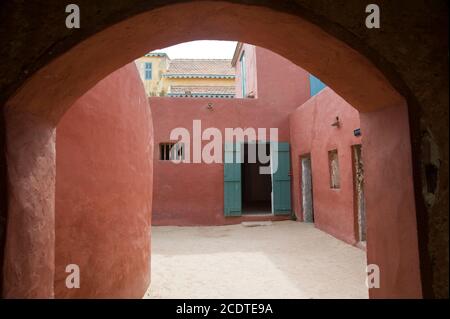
<point>282,260</point>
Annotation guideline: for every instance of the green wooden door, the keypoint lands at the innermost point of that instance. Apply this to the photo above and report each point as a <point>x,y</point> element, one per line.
<point>232,180</point>
<point>281,179</point>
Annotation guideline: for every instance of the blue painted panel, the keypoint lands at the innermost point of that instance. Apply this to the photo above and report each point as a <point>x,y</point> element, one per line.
<point>148,71</point>
<point>232,180</point>
<point>315,85</point>
<point>243,75</point>
<point>281,180</point>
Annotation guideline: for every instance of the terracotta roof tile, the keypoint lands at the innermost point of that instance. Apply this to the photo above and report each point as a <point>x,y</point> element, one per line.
<point>202,67</point>
<point>183,89</point>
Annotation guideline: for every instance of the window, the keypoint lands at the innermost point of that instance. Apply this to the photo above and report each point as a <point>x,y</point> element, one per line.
<point>243,75</point>
<point>148,71</point>
<point>171,151</point>
<point>333,162</point>
<point>315,85</point>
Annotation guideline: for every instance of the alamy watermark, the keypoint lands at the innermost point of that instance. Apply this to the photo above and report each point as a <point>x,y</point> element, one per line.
<point>226,149</point>
<point>372,20</point>
<point>373,276</point>
<point>73,279</point>
<point>73,17</point>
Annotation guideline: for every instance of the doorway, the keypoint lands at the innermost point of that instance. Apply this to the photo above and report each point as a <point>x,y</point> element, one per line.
<point>256,186</point>
<point>306,189</point>
<point>358,177</point>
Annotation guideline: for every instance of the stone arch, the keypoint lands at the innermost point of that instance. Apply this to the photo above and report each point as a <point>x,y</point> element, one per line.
<point>34,110</point>
<point>298,40</point>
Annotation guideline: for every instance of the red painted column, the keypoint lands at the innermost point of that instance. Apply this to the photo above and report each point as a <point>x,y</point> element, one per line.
<point>30,239</point>
<point>392,241</point>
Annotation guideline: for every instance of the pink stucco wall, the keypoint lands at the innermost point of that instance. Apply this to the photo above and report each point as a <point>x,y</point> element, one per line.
<point>104,190</point>
<point>388,184</point>
<point>263,69</point>
<point>312,133</point>
<point>391,237</point>
<point>192,194</point>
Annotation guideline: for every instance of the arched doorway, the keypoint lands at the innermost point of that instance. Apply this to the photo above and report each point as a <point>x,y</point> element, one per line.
<point>33,112</point>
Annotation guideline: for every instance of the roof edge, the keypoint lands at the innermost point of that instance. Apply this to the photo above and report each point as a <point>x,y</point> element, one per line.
<point>192,75</point>
<point>236,53</point>
<point>157,54</point>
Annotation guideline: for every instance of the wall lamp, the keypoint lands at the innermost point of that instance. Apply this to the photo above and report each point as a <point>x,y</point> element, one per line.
<point>337,123</point>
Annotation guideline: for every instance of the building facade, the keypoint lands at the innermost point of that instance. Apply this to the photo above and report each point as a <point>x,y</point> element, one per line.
<point>211,78</point>
<point>151,67</point>
<point>316,132</point>
<point>244,62</point>
<point>190,193</point>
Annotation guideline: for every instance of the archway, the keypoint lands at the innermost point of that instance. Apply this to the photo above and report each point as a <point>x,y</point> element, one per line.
<point>33,112</point>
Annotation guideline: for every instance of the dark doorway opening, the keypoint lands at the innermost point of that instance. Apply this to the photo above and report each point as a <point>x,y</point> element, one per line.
<point>307,189</point>
<point>256,186</point>
<point>359,193</point>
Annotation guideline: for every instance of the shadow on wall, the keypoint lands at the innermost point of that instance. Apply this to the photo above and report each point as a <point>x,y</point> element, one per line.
<point>104,190</point>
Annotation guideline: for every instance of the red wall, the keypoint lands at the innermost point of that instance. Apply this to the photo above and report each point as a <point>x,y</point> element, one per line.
<point>391,224</point>
<point>104,190</point>
<point>192,194</point>
<point>312,133</point>
<point>388,184</point>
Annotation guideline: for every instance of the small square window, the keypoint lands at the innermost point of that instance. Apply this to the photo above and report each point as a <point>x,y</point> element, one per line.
<point>333,163</point>
<point>171,151</point>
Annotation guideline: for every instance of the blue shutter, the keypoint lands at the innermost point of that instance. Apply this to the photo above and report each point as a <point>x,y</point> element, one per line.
<point>148,71</point>
<point>232,180</point>
<point>315,85</point>
<point>243,75</point>
<point>281,180</point>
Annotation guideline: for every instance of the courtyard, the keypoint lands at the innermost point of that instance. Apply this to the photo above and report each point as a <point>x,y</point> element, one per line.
<point>99,166</point>
<point>284,259</point>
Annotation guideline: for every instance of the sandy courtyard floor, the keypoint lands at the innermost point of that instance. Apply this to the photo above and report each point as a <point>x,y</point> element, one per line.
<point>282,260</point>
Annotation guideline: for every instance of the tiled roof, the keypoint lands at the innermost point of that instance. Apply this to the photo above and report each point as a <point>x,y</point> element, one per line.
<point>200,68</point>
<point>194,90</point>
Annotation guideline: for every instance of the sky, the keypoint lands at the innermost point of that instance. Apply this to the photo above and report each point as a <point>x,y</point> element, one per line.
<point>204,49</point>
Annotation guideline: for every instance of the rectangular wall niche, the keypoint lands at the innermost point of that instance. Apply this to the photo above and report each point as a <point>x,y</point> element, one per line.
<point>333,163</point>
<point>171,151</point>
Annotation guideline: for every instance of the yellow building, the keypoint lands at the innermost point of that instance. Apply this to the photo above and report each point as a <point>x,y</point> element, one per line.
<point>186,77</point>
<point>151,67</point>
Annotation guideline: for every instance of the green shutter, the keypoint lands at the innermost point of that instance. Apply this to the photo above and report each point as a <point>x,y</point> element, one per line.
<point>232,180</point>
<point>281,180</point>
